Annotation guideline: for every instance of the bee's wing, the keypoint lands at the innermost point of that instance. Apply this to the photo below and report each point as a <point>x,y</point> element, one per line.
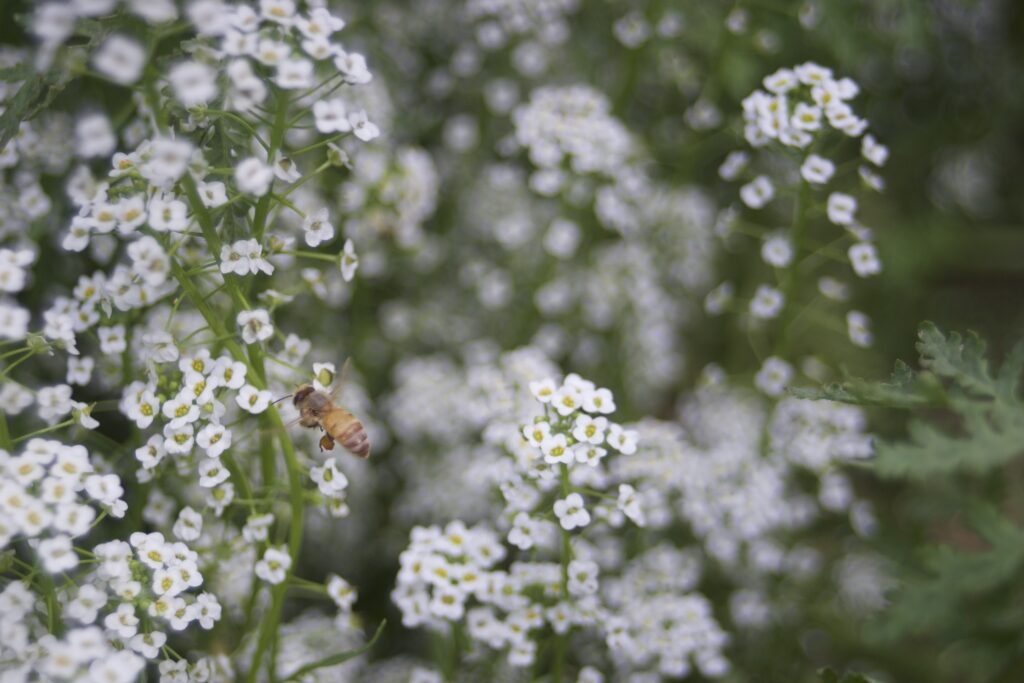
<point>341,380</point>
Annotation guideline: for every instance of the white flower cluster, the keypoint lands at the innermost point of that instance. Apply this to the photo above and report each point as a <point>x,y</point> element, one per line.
<point>799,109</point>
<point>559,462</point>
<point>570,125</point>
<point>737,498</point>
<point>657,617</point>
<point>390,194</point>
<point>45,493</point>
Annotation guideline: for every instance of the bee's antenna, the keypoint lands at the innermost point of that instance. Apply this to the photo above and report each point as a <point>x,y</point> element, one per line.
<point>281,399</point>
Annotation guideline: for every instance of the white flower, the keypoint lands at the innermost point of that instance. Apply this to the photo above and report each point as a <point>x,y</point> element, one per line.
<point>571,512</point>
<point>194,83</point>
<point>214,439</point>
<point>148,644</point>
<point>123,621</point>
<point>543,390</point>
<point>257,527</point>
<point>255,325</point>
<point>57,555</point>
<point>556,449</point>
<point>331,116</point>
<point>757,192</point>
<point>817,170</point>
<point>537,433</point>
<point>87,604</point>
<point>841,208</point>
<point>253,176</point>
<point>566,400</point>
<point>274,566</point>
<point>353,66</point>
<point>858,326</point>
<point>112,339</point>
<point>362,127</point>
<point>54,402</point>
<point>625,440</point>
<point>294,73</point>
<point>120,59</point>
<point>589,429</point>
<point>599,401</point>
<point>349,262</point>
<point>582,577</point>
<point>864,259</point>
<point>119,667</point>
<point>629,504</point>
<point>343,594</point>
<point>212,194</point>
<point>189,525</point>
<point>874,151</point>
<point>524,531</point>
<point>329,478</point>
<point>180,410</point>
<point>774,376</point>
<point>179,440</point>
<point>206,610</point>
<point>777,251</point>
<point>733,165</point>
<point>767,302</point>
<point>317,227</point>
<point>244,257</point>
<point>251,399</point>
<point>212,472</point>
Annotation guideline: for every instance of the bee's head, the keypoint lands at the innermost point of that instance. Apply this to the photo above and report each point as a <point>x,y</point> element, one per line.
<point>301,393</point>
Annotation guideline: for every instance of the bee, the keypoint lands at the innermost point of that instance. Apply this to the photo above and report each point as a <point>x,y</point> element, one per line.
<point>317,409</point>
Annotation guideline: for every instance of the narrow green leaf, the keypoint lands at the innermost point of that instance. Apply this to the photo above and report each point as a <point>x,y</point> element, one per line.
<point>338,658</point>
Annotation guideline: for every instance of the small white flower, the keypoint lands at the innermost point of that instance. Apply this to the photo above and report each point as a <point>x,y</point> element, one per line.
<point>120,59</point>
<point>214,439</point>
<point>212,194</point>
<point>112,339</point>
<point>251,399</point>
<point>342,592</point>
<point>331,116</point>
<point>317,228</point>
<point>777,251</point>
<point>582,577</point>
<point>123,622</point>
<point>864,259</point>
<point>589,429</point>
<point>57,554</point>
<point>774,376</point>
<point>253,176</point>
<point>874,151</point>
<point>543,390</point>
<point>274,566</point>
<point>349,262</point>
<point>817,170</point>
<point>625,440</point>
<point>362,127</point>
<point>212,472</point>
<point>193,83</point>
<point>206,610</point>
<point>841,208</point>
<point>858,326</point>
<point>556,449</point>
<point>571,512</point>
<point>189,525</point>
<point>757,192</point>
<point>255,325</point>
<point>767,302</point>
<point>599,401</point>
<point>329,478</point>
<point>629,504</point>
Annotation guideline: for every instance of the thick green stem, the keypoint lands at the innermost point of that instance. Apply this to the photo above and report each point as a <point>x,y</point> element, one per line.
<point>558,670</point>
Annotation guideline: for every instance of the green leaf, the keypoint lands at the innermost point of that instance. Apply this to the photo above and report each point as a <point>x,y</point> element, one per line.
<point>905,389</point>
<point>19,108</point>
<point>338,658</point>
<point>18,72</point>
<point>830,676</point>
<point>961,359</point>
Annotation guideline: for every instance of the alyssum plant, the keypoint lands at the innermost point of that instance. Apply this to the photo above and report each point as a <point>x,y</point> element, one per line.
<point>179,209</point>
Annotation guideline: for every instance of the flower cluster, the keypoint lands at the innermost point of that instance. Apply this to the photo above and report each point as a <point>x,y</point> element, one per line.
<point>802,110</point>
<point>44,497</point>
